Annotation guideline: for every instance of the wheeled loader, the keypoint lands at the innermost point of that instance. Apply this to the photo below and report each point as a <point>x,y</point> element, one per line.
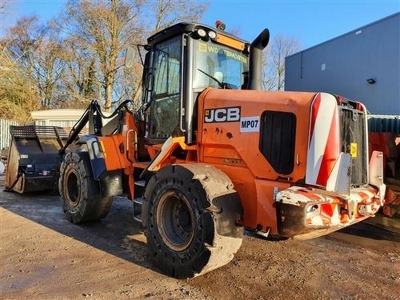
<point>209,154</point>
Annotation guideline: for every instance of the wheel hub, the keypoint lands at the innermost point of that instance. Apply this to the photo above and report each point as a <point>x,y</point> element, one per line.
<point>72,188</point>
<point>175,220</point>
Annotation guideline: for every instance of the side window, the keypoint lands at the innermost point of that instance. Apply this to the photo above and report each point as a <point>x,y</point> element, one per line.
<point>277,140</point>
<point>166,89</point>
<point>166,82</point>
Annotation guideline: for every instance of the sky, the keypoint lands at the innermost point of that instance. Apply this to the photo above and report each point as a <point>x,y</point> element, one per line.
<point>311,22</point>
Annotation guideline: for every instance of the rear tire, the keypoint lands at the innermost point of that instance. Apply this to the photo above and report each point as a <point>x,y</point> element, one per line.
<point>80,194</point>
<point>192,215</point>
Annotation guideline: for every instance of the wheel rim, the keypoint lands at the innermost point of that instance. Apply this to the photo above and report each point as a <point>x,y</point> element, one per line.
<point>175,219</point>
<point>72,188</point>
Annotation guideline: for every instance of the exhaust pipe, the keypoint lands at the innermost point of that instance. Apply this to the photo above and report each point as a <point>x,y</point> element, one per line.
<point>256,48</point>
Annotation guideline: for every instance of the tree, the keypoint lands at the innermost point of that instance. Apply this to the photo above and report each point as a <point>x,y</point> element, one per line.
<point>165,13</point>
<point>37,50</point>
<point>18,88</point>
<point>80,55</point>
<point>4,5</point>
<point>274,61</point>
<point>16,93</point>
<point>99,31</point>
<point>79,79</point>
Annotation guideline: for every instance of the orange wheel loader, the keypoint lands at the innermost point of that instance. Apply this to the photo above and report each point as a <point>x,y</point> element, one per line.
<point>209,155</point>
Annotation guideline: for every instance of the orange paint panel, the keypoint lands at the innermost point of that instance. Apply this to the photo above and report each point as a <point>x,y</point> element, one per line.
<point>112,156</point>
<point>226,156</point>
<point>257,198</point>
<point>266,212</point>
<point>212,133</point>
<point>243,182</point>
<point>223,143</point>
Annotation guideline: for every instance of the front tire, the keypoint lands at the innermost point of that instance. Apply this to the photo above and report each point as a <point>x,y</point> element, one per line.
<point>80,195</point>
<point>192,215</point>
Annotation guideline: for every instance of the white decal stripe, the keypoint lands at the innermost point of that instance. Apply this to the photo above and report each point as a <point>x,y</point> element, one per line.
<point>319,139</point>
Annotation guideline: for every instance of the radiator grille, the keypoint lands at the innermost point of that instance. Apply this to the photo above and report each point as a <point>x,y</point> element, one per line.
<point>353,141</point>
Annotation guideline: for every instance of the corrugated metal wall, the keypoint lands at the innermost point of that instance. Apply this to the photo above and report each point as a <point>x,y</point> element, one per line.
<point>5,137</point>
<point>384,123</point>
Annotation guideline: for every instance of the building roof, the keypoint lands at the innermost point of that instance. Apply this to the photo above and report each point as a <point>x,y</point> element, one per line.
<point>354,31</point>
<point>58,114</point>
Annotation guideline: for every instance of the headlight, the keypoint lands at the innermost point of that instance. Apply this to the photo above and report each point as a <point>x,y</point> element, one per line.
<point>201,32</point>
<point>212,34</point>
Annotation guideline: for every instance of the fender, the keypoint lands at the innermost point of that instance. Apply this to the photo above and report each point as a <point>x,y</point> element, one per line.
<point>164,154</point>
<point>97,160</point>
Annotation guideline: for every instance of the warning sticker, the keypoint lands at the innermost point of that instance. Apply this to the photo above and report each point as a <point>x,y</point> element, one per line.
<point>353,150</point>
<point>250,124</point>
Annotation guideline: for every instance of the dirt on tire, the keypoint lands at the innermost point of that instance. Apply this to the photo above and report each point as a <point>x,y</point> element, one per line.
<point>43,256</point>
<point>80,194</point>
<point>192,220</point>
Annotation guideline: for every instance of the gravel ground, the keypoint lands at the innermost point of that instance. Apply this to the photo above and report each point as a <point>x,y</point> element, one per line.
<point>43,256</point>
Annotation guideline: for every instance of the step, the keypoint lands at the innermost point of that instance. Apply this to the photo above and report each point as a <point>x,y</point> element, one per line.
<point>137,209</point>
<point>140,183</point>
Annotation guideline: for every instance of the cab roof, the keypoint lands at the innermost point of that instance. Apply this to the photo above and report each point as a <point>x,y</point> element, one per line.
<point>185,27</point>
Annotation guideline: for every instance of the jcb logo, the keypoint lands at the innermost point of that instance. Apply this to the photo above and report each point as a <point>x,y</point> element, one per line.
<point>223,114</point>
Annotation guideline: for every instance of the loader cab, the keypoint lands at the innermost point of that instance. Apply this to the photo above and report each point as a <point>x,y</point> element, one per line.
<point>181,62</point>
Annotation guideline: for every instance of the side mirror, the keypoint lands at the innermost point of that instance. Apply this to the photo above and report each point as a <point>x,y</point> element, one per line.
<point>129,57</point>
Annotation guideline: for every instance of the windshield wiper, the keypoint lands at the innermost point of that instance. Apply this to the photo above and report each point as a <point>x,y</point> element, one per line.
<point>222,85</point>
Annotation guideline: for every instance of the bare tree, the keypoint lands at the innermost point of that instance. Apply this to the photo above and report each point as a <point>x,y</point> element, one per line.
<point>18,84</point>
<point>36,50</point>
<point>16,93</point>
<point>274,61</point>
<point>80,81</point>
<point>165,13</point>
<point>4,5</point>
<point>100,31</point>
<point>79,55</point>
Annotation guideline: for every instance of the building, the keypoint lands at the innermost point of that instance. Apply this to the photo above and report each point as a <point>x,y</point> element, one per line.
<point>65,118</point>
<point>362,65</point>
<point>57,117</point>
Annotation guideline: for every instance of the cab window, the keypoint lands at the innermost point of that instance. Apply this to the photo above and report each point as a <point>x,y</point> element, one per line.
<point>222,63</point>
<point>166,89</point>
